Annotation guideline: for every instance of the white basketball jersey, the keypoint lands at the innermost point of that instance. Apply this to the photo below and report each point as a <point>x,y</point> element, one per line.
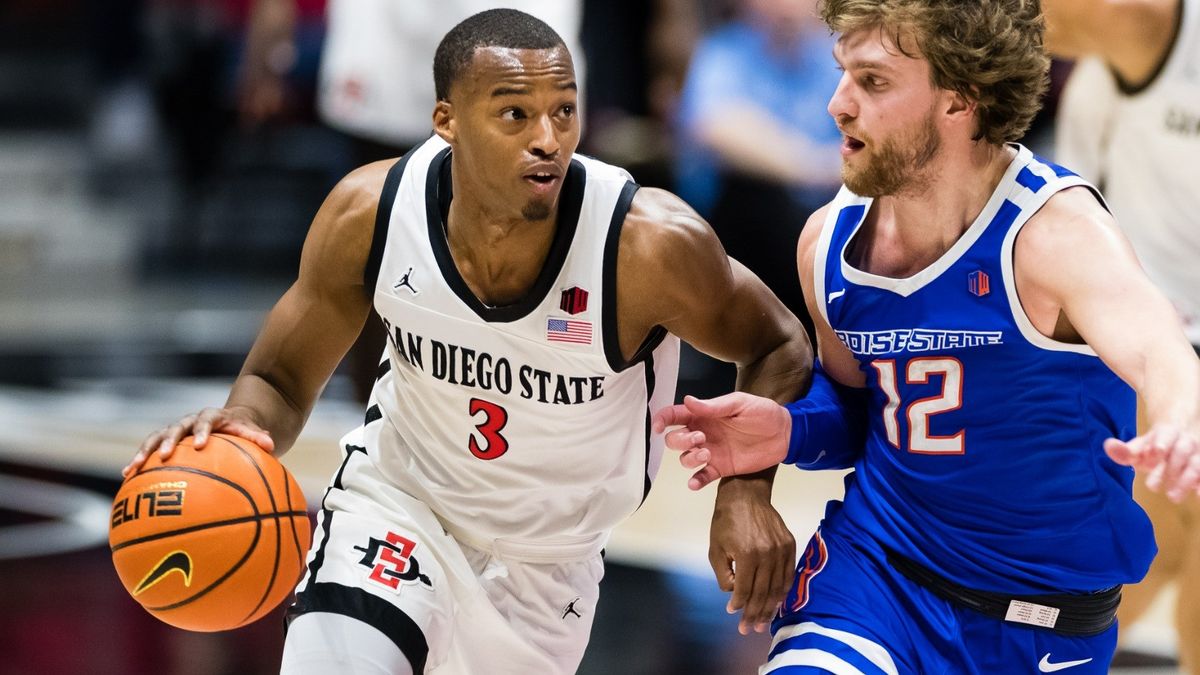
<point>1150,161</point>
<point>523,422</point>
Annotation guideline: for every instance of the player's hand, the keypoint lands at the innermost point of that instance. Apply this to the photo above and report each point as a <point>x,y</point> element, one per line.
<point>201,425</point>
<point>751,551</point>
<point>1170,453</point>
<point>730,435</point>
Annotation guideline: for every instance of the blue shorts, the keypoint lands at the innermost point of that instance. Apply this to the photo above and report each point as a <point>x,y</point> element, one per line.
<point>851,613</point>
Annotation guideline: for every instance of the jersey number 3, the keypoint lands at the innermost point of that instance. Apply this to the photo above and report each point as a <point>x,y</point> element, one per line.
<point>918,412</point>
<point>495,417</point>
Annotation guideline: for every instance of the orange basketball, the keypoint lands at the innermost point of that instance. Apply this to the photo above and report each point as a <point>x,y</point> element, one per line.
<point>213,539</point>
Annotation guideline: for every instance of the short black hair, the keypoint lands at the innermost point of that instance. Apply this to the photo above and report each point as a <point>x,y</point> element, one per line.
<point>508,28</point>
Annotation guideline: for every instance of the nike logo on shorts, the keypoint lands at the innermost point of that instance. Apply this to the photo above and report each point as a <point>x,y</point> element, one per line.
<point>1046,666</point>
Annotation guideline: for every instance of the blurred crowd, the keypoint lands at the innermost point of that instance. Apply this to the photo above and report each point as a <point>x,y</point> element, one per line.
<point>252,109</point>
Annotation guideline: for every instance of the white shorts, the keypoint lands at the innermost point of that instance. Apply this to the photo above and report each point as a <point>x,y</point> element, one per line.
<point>383,558</point>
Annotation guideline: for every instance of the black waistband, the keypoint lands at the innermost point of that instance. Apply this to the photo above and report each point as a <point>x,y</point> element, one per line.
<point>1083,614</point>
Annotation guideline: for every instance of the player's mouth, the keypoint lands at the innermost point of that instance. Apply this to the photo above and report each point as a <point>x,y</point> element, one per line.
<point>543,179</point>
<point>851,145</point>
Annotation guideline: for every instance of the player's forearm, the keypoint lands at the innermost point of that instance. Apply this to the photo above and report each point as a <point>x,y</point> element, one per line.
<point>1171,384</point>
<point>782,373</point>
<point>267,405</point>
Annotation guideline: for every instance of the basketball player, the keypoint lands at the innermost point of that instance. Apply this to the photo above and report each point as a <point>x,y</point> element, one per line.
<point>1130,119</point>
<point>534,301</point>
<point>982,327</point>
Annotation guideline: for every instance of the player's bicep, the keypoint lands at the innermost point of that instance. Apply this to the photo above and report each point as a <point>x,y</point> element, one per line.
<point>836,359</point>
<point>729,313</point>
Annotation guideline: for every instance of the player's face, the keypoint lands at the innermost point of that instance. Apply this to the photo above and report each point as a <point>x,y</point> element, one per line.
<point>884,106</point>
<point>513,122</point>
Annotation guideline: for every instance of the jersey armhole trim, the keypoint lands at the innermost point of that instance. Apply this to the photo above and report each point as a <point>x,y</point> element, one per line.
<point>821,255</point>
<point>608,318</point>
<point>383,218</point>
<point>1007,251</point>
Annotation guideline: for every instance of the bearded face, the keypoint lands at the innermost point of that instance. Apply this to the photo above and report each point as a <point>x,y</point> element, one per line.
<point>893,165</point>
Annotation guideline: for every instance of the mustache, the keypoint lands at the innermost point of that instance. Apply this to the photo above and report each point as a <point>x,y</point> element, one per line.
<point>847,131</point>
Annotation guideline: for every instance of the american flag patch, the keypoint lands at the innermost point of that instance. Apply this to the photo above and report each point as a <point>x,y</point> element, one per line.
<point>569,330</point>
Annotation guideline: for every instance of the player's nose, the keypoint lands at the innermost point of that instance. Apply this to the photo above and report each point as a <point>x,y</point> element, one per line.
<point>841,104</point>
<point>544,142</point>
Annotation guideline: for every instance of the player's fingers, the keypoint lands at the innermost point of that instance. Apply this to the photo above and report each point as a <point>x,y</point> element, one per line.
<point>722,567</point>
<point>207,421</point>
<point>1186,480</point>
<point>1126,454</point>
<point>783,580</point>
<point>745,573</point>
<point>173,434</point>
<point>721,406</point>
<point>670,416</point>
<point>134,464</point>
<point>684,439</point>
<point>149,445</point>
<point>761,604</point>
<point>694,459</point>
<point>1174,455</point>
<point>703,477</point>
<point>250,432</point>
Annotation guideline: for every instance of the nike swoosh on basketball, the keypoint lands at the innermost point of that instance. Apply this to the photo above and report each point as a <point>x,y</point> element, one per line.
<point>176,561</point>
<point>836,294</point>
<point>1046,667</point>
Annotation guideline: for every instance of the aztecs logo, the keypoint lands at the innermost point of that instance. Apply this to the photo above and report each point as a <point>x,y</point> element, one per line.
<point>811,564</point>
<point>391,561</point>
<point>574,300</point>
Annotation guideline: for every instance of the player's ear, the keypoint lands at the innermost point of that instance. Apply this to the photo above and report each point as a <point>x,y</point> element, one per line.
<point>444,124</point>
<point>959,105</point>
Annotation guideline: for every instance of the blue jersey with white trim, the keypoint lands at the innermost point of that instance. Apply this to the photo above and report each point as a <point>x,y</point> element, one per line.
<point>984,458</point>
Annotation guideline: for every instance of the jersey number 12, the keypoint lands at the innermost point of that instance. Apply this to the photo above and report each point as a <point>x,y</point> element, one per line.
<point>918,412</point>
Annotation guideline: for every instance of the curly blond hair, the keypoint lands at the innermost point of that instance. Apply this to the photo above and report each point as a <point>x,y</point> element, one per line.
<point>990,51</point>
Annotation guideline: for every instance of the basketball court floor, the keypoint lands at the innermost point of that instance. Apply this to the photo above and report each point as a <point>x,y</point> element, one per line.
<point>92,358</point>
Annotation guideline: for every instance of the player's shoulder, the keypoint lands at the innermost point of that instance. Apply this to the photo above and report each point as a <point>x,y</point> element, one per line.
<point>1072,225</point>
<point>814,225</point>
<point>341,234</point>
<point>1073,212</point>
<point>660,223</point>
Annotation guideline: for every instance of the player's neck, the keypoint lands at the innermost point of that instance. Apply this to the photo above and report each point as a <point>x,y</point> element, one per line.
<point>958,185</point>
<point>906,232</point>
<point>499,255</point>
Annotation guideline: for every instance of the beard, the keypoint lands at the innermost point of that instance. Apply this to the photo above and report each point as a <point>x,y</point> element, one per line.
<point>896,166</point>
<point>536,211</point>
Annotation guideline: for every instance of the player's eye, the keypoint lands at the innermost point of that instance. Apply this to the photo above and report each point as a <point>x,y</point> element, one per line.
<point>512,114</point>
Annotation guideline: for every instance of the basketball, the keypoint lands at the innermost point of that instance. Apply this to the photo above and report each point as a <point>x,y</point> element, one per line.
<point>212,539</point>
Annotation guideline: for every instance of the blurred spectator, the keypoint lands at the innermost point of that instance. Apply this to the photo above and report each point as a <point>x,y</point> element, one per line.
<point>638,56</point>
<point>759,151</point>
<point>1129,120</point>
<point>375,82</point>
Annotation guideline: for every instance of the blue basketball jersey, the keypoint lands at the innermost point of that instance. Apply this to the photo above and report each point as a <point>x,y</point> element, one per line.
<point>984,458</point>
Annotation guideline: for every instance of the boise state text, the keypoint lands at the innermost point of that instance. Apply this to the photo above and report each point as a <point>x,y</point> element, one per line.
<point>480,370</point>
